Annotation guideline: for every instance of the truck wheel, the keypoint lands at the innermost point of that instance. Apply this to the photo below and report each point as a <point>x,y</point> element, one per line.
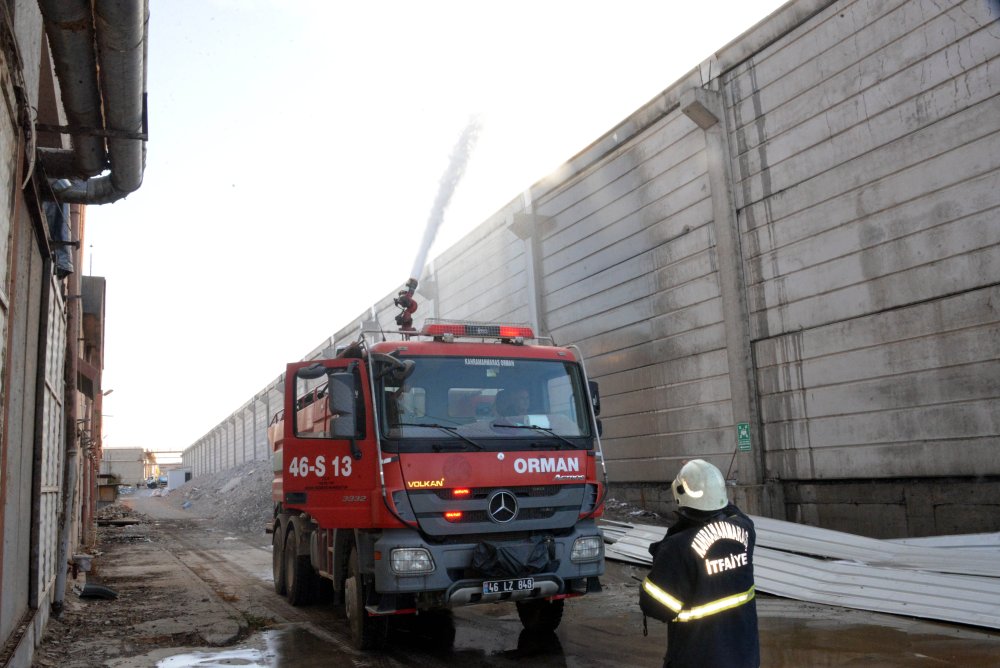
<point>539,615</point>
<point>278,560</point>
<point>367,632</point>
<point>298,572</point>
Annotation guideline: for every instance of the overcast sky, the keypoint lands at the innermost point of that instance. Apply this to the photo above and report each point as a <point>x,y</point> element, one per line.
<point>294,156</point>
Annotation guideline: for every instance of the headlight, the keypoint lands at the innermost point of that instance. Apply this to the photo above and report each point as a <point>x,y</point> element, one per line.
<point>586,548</point>
<point>411,561</point>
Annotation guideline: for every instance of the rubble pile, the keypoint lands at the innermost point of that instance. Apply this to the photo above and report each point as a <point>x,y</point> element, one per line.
<point>625,511</point>
<point>117,511</point>
<point>237,499</point>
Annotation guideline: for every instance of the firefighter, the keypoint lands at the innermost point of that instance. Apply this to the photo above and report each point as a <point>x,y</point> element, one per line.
<point>701,583</point>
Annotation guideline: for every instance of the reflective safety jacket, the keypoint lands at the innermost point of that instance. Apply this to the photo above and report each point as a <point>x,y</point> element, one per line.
<point>701,584</point>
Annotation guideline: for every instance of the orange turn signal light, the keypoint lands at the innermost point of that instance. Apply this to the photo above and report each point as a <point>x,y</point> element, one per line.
<point>453,515</point>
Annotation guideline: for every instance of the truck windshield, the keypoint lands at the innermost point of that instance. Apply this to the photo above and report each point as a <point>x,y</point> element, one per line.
<point>484,403</point>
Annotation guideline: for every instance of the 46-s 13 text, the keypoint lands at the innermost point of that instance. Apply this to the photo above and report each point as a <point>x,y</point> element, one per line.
<point>302,467</point>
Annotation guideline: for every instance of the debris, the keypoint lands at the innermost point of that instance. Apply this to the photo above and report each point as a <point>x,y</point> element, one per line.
<point>834,568</point>
<point>82,562</point>
<point>237,499</point>
<point>91,590</point>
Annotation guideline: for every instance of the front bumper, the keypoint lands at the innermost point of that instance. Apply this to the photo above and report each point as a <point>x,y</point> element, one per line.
<point>454,582</point>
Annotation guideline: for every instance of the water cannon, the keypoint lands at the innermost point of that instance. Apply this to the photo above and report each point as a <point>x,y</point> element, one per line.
<point>406,302</point>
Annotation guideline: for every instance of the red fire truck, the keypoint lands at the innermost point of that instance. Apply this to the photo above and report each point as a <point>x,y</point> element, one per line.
<point>457,465</point>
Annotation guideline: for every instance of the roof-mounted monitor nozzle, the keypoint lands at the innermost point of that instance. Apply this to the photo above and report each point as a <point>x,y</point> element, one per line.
<point>406,302</point>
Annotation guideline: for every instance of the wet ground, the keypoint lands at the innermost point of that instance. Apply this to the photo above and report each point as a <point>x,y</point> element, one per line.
<point>816,642</point>
<point>192,586</point>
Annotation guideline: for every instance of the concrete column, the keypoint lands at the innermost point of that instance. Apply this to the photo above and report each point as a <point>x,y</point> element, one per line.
<point>231,436</point>
<point>707,110</point>
<point>244,456</point>
<point>529,227</point>
<point>253,428</point>
<point>220,446</point>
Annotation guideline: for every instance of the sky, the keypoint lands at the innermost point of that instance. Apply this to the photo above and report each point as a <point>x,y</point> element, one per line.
<point>295,152</point>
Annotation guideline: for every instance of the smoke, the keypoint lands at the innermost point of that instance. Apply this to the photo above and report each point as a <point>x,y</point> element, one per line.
<point>449,180</point>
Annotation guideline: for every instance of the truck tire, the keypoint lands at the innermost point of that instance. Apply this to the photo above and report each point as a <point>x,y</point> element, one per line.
<point>539,615</point>
<point>298,572</point>
<point>278,559</point>
<point>367,632</point>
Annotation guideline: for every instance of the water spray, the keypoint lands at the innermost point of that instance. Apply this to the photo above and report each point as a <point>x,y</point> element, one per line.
<point>449,181</point>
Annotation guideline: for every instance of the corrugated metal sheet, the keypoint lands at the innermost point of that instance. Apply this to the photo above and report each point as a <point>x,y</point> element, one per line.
<point>953,598</point>
<point>989,542</point>
<point>916,580</point>
<point>803,539</point>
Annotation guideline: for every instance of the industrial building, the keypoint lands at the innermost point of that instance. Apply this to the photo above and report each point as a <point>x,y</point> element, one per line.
<point>129,466</point>
<point>72,134</point>
<point>787,263</point>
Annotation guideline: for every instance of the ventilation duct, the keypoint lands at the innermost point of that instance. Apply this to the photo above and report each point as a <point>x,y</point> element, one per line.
<point>119,30</point>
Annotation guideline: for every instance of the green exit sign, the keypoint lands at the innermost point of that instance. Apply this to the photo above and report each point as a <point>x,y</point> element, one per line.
<point>743,436</point>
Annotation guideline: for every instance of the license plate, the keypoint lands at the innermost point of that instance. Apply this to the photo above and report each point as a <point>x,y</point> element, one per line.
<point>506,586</point>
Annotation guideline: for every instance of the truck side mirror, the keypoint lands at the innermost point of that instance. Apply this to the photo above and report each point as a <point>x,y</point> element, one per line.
<point>341,398</point>
<point>595,396</point>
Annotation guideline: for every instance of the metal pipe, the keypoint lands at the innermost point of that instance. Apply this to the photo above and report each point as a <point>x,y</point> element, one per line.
<point>69,26</point>
<point>122,29</point>
<point>71,463</point>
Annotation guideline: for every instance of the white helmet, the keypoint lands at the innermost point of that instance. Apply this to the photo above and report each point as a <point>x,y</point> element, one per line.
<point>701,486</point>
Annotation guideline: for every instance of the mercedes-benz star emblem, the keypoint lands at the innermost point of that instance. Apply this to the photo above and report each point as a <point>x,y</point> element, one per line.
<point>502,506</point>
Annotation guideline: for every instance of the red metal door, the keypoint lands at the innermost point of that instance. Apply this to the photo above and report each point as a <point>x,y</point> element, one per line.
<point>329,458</point>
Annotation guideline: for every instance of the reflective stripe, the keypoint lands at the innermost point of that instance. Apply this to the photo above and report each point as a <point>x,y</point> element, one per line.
<point>720,605</point>
<point>661,596</point>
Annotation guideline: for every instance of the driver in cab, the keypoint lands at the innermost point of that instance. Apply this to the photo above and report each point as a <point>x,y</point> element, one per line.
<point>512,402</point>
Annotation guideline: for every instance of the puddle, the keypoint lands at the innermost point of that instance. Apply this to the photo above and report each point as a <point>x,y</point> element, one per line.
<point>792,635</point>
<point>821,644</point>
<point>292,645</point>
<point>230,657</point>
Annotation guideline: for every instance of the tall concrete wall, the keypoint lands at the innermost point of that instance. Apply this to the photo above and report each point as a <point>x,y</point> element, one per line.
<point>866,161</point>
<point>802,235</point>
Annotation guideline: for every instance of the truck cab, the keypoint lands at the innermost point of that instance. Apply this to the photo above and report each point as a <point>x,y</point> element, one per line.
<point>455,466</point>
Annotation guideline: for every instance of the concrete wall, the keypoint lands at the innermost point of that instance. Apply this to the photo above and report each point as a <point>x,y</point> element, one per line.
<point>802,235</point>
<point>867,186</point>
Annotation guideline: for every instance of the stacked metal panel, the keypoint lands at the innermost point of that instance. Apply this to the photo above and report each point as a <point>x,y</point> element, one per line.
<point>948,583</point>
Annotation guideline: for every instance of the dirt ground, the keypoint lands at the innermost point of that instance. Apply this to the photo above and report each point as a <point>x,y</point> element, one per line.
<point>137,598</point>
<point>189,571</point>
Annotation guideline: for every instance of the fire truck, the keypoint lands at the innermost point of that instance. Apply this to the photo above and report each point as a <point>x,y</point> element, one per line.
<point>459,464</point>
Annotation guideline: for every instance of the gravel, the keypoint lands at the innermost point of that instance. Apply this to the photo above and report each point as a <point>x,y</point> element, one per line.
<point>238,500</point>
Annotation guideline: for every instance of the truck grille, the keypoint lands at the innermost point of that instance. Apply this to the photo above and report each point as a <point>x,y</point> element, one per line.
<point>539,508</point>
<point>532,492</point>
<point>525,514</point>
